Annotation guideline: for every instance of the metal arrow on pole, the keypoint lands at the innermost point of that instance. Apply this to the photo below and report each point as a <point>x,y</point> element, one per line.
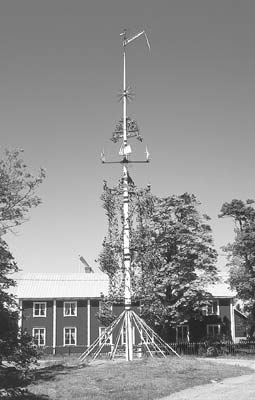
<point>127,41</point>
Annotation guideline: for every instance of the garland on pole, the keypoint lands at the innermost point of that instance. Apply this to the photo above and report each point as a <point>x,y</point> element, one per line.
<point>111,257</point>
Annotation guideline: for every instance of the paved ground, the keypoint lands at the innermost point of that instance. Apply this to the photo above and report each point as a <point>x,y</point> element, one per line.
<point>238,388</point>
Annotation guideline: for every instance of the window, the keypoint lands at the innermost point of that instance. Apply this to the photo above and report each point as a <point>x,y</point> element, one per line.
<point>102,330</point>
<point>70,308</point>
<point>39,309</point>
<point>182,333</point>
<point>70,336</point>
<point>39,335</point>
<point>213,329</point>
<point>123,334</point>
<point>213,308</point>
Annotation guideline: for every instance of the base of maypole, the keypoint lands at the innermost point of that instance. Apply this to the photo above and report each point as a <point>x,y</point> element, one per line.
<point>128,326</point>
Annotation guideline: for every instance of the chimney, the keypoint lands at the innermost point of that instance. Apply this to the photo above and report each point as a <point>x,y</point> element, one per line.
<point>87,268</point>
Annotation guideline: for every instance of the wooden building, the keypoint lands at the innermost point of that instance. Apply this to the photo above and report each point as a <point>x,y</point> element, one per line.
<point>59,310</point>
<point>221,318</point>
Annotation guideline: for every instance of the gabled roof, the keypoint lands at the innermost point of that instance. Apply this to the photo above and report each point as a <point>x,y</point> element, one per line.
<point>240,313</point>
<point>50,285</point>
<point>65,285</point>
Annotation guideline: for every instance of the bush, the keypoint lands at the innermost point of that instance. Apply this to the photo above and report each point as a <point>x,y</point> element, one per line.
<point>213,346</point>
<point>19,350</point>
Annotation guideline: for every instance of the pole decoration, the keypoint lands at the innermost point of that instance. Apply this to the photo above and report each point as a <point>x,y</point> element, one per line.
<point>132,130</point>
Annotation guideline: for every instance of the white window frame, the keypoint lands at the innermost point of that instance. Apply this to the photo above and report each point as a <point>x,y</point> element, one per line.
<point>75,335</point>
<point>210,307</point>
<point>213,325</point>
<point>44,335</point>
<point>40,303</point>
<point>75,309</point>
<point>101,330</point>
<point>182,336</point>
<point>123,335</point>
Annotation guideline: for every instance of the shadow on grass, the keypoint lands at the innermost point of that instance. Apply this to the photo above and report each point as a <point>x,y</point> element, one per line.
<point>19,394</point>
<point>31,396</point>
<point>18,389</point>
<point>50,373</point>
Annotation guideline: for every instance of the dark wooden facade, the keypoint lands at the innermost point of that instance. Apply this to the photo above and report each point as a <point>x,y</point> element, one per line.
<point>56,328</point>
<point>85,322</point>
<point>223,320</point>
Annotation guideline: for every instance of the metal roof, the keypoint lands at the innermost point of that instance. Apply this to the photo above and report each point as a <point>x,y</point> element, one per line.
<point>221,290</point>
<point>79,285</point>
<point>65,285</point>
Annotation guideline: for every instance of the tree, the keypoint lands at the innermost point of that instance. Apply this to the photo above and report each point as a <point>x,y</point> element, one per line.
<point>17,197</point>
<point>173,259</point>
<point>15,345</point>
<point>17,190</point>
<point>241,253</point>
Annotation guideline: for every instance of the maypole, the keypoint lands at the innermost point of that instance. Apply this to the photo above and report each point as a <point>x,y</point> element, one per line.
<point>125,152</point>
<point>128,321</point>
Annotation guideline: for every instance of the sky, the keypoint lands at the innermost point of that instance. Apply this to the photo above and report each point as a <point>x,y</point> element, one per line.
<point>60,74</point>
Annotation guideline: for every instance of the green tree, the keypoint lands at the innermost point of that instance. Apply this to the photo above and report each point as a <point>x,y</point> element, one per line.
<point>17,197</point>
<point>173,258</point>
<point>17,190</point>
<point>241,253</point>
<point>15,346</point>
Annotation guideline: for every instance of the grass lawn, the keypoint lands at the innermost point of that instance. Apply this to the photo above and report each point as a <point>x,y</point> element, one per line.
<point>144,379</point>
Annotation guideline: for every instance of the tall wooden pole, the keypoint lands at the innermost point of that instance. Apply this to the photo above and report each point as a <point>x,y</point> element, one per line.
<point>126,232</point>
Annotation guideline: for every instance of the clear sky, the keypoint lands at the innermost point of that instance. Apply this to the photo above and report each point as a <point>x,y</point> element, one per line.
<point>60,73</point>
